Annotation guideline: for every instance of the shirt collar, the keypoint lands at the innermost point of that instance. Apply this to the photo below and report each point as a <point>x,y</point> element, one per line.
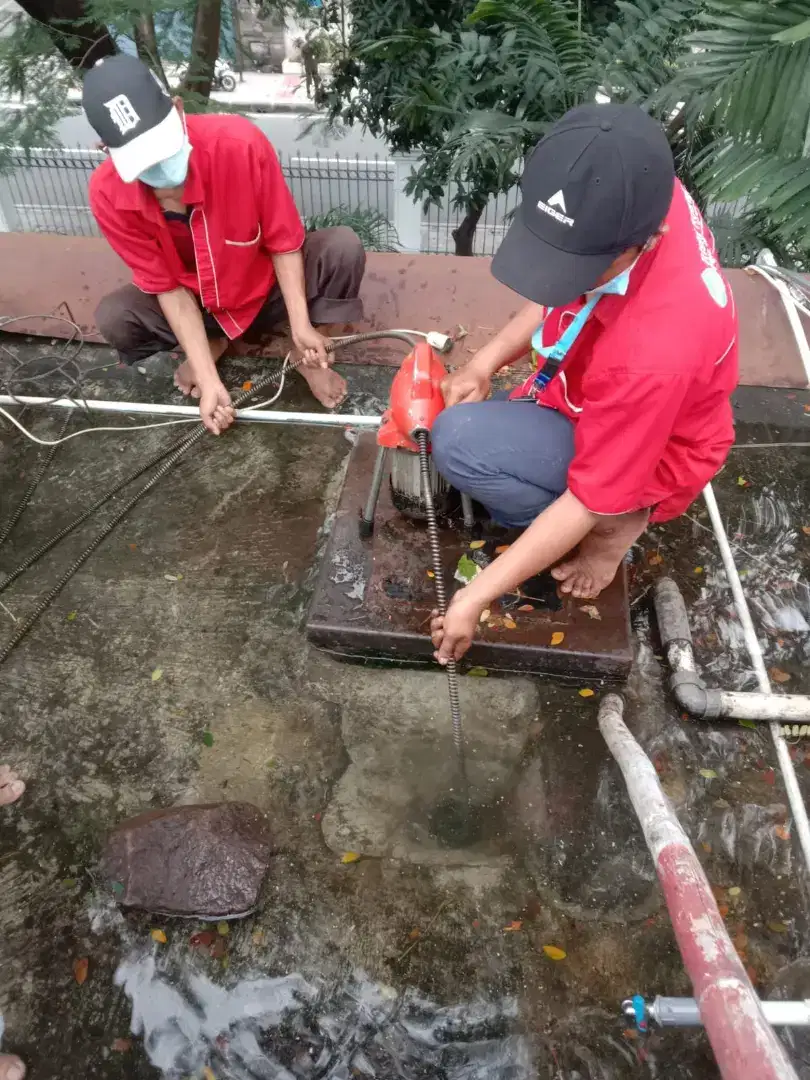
<point>611,304</point>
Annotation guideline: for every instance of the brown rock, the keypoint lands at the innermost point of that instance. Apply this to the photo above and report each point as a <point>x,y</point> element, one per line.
<point>207,861</point>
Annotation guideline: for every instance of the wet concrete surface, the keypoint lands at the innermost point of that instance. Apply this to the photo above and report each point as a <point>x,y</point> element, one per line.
<point>186,628</point>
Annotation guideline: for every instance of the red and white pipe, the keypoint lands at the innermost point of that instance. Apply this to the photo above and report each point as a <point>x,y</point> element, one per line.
<point>744,1043</point>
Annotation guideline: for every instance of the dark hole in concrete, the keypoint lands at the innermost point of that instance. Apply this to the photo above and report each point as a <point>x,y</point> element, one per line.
<point>457,821</point>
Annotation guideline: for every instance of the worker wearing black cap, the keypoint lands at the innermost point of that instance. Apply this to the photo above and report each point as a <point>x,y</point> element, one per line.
<point>632,416</point>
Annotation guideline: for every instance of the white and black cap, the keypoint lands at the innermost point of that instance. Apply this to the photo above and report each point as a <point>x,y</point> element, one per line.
<point>132,113</point>
<point>600,182</point>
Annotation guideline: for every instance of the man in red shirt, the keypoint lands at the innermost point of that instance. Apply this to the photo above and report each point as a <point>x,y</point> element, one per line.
<point>628,301</point>
<point>198,209</point>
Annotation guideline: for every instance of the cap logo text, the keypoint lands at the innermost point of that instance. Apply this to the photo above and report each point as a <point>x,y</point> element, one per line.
<point>556,208</point>
<point>122,114</point>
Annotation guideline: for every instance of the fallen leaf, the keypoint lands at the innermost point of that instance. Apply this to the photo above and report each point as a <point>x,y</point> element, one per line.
<point>133,547</point>
<point>558,637</point>
<point>208,738</point>
<point>476,545</point>
<point>478,672</point>
<point>630,1035</point>
<point>740,940</point>
<point>806,530</point>
<point>586,692</point>
<point>485,614</point>
<point>208,1074</point>
<point>735,890</point>
<point>476,923</point>
<point>159,936</point>
<point>782,832</point>
<point>171,577</point>
<point>467,570</point>
<point>502,548</point>
<point>218,949</point>
<point>778,927</point>
<point>510,624</point>
<point>203,939</point>
<point>350,857</point>
<point>723,909</point>
<point>778,675</point>
<point>69,882</point>
<point>553,953</point>
<point>117,888</point>
<point>121,1046</point>
<point>223,929</point>
<point>750,724</point>
<point>247,385</point>
<point>706,847</point>
<point>655,558</point>
<point>513,927</point>
<point>80,969</point>
<point>742,482</point>
<point>708,774</point>
<point>430,574</point>
<point>258,937</point>
<point>415,933</point>
<point>525,607</point>
<point>71,616</point>
<point>698,569</point>
<point>769,776</point>
<point>591,611</point>
<point>157,674</point>
<point>751,972</point>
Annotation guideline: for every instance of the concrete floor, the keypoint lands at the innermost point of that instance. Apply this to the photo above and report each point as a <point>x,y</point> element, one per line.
<point>381,967</point>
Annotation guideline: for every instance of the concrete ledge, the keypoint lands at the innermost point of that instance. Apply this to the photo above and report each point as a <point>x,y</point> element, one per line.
<point>44,273</point>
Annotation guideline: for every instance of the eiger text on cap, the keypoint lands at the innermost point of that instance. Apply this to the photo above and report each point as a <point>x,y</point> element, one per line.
<point>132,114</point>
<point>599,183</point>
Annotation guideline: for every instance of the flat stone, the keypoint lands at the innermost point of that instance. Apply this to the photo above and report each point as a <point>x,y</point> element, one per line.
<point>207,861</point>
<point>397,732</point>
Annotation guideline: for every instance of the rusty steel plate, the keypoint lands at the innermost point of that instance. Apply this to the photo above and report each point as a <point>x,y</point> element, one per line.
<point>373,599</point>
<point>423,292</point>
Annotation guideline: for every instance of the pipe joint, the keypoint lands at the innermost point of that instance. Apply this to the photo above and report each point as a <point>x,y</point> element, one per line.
<point>692,696</point>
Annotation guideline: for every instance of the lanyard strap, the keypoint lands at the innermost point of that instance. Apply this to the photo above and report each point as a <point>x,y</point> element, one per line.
<point>561,348</point>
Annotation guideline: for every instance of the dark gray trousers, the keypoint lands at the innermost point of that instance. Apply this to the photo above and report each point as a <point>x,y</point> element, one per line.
<point>334,262</point>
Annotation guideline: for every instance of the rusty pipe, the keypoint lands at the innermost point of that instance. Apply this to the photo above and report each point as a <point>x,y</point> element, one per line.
<point>744,1043</point>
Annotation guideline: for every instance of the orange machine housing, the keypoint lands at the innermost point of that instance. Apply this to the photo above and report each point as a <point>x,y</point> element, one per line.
<point>416,399</point>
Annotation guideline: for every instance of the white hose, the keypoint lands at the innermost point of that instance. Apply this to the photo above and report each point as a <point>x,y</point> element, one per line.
<point>798,809</point>
<point>790,306</point>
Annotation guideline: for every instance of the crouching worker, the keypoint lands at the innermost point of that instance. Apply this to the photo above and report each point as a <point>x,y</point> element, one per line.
<point>198,209</point>
<point>626,297</point>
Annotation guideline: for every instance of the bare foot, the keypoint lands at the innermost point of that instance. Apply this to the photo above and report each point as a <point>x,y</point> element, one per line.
<point>11,788</point>
<point>600,555</point>
<point>185,381</point>
<point>326,385</point>
<point>11,1068</point>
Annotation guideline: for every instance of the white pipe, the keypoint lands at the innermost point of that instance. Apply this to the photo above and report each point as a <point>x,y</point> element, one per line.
<point>793,317</point>
<point>798,809</point>
<point>787,708</point>
<point>267,416</point>
<point>684,1012</point>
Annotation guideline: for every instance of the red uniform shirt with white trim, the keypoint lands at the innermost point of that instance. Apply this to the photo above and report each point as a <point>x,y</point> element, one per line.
<point>648,381</point>
<point>241,214</point>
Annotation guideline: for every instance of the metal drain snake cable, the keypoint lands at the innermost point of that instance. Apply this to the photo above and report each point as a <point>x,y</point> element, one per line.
<point>441,604</point>
<point>174,452</point>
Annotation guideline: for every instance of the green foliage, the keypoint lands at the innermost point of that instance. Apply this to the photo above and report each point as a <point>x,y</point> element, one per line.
<point>746,72</point>
<point>374,229</point>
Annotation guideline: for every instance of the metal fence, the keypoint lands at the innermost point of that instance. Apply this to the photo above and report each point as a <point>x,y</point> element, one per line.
<point>45,190</point>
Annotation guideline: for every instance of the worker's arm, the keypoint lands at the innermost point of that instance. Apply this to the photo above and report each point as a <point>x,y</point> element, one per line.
<point>310,343</point>
<point>472,382</point>
<point>559,528</point>
<point>186,321</point>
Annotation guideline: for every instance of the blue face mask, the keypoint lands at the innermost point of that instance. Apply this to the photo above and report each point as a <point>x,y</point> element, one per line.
<point>170,173</point>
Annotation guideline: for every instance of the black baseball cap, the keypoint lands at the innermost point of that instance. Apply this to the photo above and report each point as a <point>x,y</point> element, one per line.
<point>600,182</point>
<point>132,113</point>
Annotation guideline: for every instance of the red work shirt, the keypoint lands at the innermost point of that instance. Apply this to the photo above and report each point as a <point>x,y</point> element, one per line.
<point>241,213</point>
<point>648,381</point>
